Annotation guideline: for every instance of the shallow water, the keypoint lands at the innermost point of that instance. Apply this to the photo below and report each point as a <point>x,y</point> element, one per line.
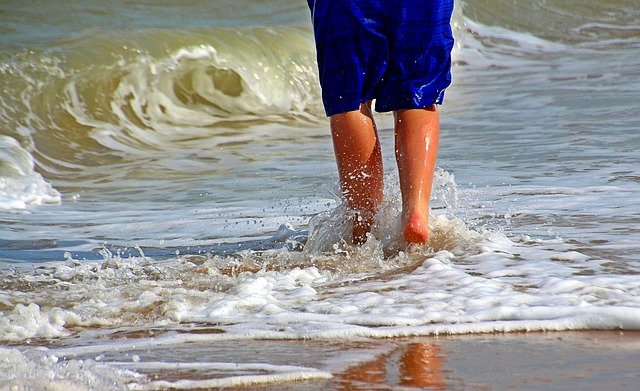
<point>167,178</point>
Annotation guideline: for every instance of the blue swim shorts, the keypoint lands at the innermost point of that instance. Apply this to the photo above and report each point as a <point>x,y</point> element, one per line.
<point>397,52</point>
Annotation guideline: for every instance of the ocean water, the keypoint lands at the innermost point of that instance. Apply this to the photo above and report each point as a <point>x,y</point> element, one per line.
<point>168,192</point>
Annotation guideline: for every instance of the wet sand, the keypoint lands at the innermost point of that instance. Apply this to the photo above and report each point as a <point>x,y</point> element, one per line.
<point>588,360</point>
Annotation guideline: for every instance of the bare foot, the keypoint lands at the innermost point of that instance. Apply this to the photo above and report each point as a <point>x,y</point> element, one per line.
<point>416,228</point>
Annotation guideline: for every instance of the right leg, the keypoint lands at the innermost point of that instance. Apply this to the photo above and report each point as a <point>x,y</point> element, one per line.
<point>359,158</point>
<point>417,133</point>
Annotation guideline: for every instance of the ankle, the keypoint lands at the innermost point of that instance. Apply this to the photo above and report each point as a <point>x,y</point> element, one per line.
<point>362,224</point>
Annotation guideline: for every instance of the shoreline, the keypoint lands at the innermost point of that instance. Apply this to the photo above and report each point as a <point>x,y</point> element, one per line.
<point>563,360</point>
<point>559,360</point>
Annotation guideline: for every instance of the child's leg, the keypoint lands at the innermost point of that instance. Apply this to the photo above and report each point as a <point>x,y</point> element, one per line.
<point>359,158</point>
<point>417,133</point>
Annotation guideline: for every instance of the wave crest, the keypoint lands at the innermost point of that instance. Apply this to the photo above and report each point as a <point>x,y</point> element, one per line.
<point>200,91</point>
<point>98,99</point>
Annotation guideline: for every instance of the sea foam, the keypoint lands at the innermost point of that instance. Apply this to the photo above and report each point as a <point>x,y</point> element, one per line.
<point>20,185</point>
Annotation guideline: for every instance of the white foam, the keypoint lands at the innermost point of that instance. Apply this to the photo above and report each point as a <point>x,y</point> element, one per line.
<point>495,284</point>
<point>279,374</point>
<point>500,285</point>
<point>20,185</point>
<point>28,321</point>
<point>40,370</point>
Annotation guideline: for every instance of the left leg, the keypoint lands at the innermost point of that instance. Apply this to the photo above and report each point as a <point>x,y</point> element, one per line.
<point>359,157</point>
<point>417,134</point>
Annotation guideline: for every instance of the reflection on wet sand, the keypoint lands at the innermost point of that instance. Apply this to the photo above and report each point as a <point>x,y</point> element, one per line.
<point>418,365</point>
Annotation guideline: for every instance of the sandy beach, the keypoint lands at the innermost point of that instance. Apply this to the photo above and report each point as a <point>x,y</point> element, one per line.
<point>570,360</point>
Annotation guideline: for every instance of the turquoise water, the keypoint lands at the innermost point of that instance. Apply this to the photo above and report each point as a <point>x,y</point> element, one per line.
<point>167,177</point>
